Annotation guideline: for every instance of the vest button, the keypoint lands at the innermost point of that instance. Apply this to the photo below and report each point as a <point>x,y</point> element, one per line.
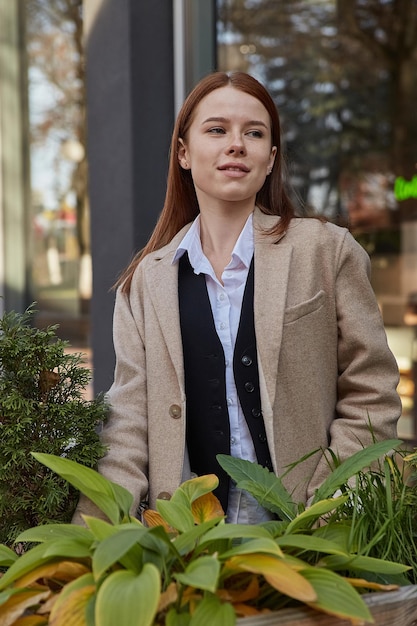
<point>262,438</point>
<point>216,407</point>
<point>175,411</point>
<point>249,387</point>
<point>246,360</point>
<point>256,413</point>
<point>164,495</point>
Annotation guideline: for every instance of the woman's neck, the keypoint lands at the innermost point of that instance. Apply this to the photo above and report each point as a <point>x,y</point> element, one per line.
<point>219,233</point>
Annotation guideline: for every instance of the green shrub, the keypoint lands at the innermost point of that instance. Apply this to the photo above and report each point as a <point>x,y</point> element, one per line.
<point>43,409</point>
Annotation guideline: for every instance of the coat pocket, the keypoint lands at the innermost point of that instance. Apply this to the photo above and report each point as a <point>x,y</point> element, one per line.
<point>294,313</point>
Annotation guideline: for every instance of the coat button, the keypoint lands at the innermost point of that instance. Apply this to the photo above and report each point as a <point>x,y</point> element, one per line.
<point>175,411</point>
<point>164,495</point>
<point>249,387</point>
<point>246,360</point>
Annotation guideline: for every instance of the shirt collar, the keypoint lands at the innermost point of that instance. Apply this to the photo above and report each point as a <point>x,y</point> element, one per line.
<point>191,243</point>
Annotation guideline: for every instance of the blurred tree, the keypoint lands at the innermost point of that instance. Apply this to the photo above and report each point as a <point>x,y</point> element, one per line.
<point>343,75</point>
<point>56,57</point>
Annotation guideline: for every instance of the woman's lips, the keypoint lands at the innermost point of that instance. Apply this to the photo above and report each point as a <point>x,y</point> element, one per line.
<point>235,170</point>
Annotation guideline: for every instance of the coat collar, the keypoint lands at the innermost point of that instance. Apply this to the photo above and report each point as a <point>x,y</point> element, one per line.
<point>272,263</point>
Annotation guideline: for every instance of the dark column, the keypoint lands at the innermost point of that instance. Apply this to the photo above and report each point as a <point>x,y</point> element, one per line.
<point>130,118</point>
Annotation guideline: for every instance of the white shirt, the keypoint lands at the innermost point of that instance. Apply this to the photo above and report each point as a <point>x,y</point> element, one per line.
<point>226,304</point>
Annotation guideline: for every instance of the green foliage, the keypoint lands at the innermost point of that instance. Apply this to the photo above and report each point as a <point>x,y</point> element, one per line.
<point>42,409</point>
<point>374,516</point>
<point>380,509</point>
<point>183,571</point>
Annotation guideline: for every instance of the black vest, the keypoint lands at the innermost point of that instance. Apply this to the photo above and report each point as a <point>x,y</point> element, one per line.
<point>208,429</point>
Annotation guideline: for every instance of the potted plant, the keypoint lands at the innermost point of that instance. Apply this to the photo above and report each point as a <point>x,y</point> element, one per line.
<point>186,567</point>
<point>43,409</point>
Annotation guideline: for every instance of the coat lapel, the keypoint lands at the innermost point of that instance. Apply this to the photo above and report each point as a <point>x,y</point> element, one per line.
<point>272,264</point>
<point>162,278</point>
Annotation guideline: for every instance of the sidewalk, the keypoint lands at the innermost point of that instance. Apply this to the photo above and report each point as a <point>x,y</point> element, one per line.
<point>87,355</point>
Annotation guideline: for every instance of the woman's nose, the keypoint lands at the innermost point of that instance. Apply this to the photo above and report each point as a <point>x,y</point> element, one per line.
<point>237,147</point>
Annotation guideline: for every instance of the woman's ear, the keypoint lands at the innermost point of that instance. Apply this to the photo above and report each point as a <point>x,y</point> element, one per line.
<point>271,159</point>
<point>182,155</point>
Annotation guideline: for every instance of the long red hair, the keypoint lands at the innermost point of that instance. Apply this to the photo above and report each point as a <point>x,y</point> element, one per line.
<point>181,206</point>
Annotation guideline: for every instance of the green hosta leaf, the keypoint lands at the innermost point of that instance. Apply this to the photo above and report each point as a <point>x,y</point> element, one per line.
<point>112,499</point>
<point>338,533</point>
<point>177,619</point>
<point>363,563</point>
<point>310,543</point>
<point>175,514</point>
<point>262,484</point>
<point>211,611</point>
<point>125,596</point>
<point>234,531</point>
<point>99,528</point>
<point>203,573</point>
<point>269,546</point>
<point>56,531</point>
<point>195,488</point>
<point>351,466</point>
<point>122,547</point>
<point>24,564</point>
<point>7,556</point>
<point>185,542</point>
<point>335,595</point>
<point>67,548</point>
<point>314,512</point>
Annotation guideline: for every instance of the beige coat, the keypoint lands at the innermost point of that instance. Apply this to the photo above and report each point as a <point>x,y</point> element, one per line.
<point>324,363</point>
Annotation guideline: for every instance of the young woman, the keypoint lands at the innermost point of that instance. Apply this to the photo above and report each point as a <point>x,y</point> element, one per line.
<point>241,328</point>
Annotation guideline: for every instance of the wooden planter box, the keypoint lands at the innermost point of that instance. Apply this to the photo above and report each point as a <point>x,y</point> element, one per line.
<point>393,608</point>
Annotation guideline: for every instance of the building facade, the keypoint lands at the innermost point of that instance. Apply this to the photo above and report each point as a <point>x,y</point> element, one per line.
<point>344,78</point>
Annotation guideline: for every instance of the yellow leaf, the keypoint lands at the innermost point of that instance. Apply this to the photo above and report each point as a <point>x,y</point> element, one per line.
<point>153,518</point>
<point>61,570</point>
<point>244,610</point>
<point>169,596</point>
<point>362,582</point>
<point>207,482</point>
<point>250,592</point>
<point>205,508</point>
<point>72,612</point>
<point>60,599</point>
<point>277,573</point>
<point>17,604</point>
<point>191,597</point>
<point>46,607</point>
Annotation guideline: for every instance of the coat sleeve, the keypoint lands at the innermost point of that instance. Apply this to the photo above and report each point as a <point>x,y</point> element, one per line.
<point>125,431</point>
<point>368,406</point>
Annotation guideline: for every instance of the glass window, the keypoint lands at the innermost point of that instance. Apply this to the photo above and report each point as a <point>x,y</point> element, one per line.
<point>61,265</point>
<point>344,77</point>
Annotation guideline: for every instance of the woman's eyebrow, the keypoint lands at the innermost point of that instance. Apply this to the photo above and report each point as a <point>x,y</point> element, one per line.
<point>224,120</point>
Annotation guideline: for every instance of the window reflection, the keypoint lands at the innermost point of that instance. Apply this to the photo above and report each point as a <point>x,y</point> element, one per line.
<point>345,83</point>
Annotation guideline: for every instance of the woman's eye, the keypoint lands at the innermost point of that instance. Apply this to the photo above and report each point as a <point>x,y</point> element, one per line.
<point>255,133</point>
<point>216,131</point>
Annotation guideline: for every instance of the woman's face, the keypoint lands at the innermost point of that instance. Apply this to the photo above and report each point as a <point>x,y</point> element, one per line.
<point>228,148</point>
